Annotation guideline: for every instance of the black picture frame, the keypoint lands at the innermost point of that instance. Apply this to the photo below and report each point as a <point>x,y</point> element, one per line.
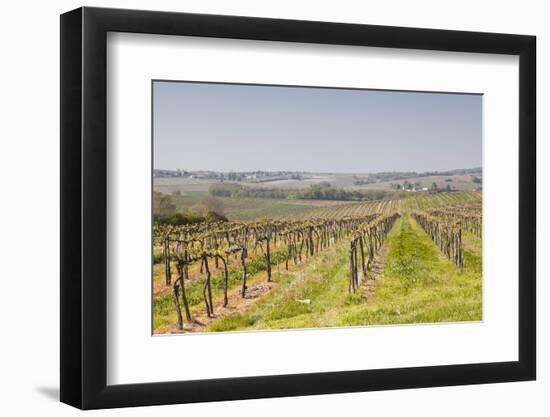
<point>84,207</point>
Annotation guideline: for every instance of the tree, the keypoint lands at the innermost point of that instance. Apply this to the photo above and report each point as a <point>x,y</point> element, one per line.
<point>209,204</point>
<point>212,216</point>
<point>163,207</point>
<point>433,187</point>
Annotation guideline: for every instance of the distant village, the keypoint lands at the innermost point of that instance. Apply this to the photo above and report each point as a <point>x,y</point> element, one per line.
<point>417,187</point>
<point>245,176</point>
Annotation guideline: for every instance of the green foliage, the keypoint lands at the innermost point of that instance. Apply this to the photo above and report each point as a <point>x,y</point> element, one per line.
<point>225,189</point>
<point>212,216</point>
<point>207,209</point>
<point>163,207</point>
<point>157,257</point>
<point>179,219</point>
<point>322,191</point>
<point>208,204</point>
<point>164,211</point>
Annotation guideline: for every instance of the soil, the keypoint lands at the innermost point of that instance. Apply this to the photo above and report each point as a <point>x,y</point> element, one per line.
<point>375,274</point>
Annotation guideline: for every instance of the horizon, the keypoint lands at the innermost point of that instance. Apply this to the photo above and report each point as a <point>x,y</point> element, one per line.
<point>320,172</point>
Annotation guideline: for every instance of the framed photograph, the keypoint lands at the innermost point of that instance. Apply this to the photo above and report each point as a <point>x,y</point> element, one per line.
<point>256,208</point>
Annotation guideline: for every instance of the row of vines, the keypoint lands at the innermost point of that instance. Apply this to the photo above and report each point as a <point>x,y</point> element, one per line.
<point>366,241</point>
<point>218,245</point>
<point>445,227</point>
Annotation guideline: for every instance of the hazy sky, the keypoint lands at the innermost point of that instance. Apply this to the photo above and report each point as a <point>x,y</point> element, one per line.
<point>229,127</point>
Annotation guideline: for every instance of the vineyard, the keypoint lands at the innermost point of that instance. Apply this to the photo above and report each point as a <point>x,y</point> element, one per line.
<point>380,262</point>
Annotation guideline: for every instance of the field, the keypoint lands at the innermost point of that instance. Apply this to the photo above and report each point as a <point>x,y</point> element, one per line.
<point>456,182</point>
<point>187,192</point>
<point>282,264</point>
<point>190,186</point>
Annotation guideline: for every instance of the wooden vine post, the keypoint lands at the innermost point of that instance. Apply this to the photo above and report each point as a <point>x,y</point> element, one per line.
<point>244,254</point>
<point>207,289</point>
<point>182,261</point>
<point>268,256</point>
<point>166,256</point>
<point>225,278</point>
<point>352,267</point>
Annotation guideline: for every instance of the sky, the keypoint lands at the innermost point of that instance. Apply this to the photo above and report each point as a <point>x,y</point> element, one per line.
<point>240,127</point>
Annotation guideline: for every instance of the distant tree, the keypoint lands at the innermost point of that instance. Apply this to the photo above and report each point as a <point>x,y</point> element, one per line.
<point>448,188</point>
<point>163,206</point>
<point>448,180</point>
<point>181,218</point>
<point>226,189</point>
<point>208,204</point>
<point>433,187</point>
<point>212,216</point>
<point>476,180</point>
<point>164,211</point>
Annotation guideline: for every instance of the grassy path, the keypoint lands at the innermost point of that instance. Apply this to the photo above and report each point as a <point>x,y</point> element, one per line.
<point>419,285</point>
<point>472,243</point>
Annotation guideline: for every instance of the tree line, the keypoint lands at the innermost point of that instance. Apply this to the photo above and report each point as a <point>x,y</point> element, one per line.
<point>207,210</point>
<point>321,191</point>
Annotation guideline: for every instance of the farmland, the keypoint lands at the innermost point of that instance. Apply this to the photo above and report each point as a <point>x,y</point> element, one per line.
<point>275,263</point>
<point>297,197</point>
<point>197,186</point>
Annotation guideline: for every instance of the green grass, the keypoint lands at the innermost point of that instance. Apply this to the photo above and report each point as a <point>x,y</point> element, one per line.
<point>418,286</point>
<point>472,243</point>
